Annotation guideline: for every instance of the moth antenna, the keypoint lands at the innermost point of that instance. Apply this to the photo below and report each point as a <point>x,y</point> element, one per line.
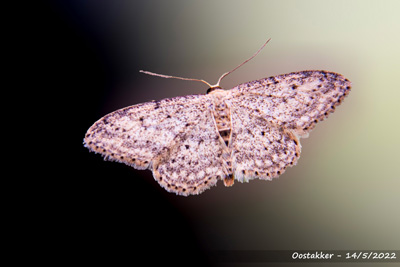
<point>174,77</point>
<point>203,81</point>
<point>241,64</point>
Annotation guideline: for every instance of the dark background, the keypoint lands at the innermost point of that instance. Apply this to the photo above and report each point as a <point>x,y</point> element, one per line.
<point>85,58</point>
<point>90,211</point>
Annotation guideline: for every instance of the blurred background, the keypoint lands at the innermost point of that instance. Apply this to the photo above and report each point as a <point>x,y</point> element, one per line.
<point>344,191</point>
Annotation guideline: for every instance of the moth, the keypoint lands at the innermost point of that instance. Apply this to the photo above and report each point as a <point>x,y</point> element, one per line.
<point>250,131</point>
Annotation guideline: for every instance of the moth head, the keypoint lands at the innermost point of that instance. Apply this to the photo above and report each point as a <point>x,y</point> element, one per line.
<point>213,88</point>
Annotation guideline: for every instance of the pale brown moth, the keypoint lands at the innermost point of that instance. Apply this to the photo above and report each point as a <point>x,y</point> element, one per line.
<point>250,131</point>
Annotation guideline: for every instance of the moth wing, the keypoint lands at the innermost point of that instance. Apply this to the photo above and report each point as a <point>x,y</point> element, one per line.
<point>260,149</point>
<point>295,101</point>
<point>193,163</point>
<point>176,138</point>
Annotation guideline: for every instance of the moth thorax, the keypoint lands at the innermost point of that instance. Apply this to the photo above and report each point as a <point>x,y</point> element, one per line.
<point>222,115</point>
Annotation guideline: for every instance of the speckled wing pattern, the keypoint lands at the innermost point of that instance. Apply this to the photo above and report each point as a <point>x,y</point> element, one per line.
<point>270,115</point>
<point>260,149</point>
<point>250,131</point>
<point>175,138</point>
